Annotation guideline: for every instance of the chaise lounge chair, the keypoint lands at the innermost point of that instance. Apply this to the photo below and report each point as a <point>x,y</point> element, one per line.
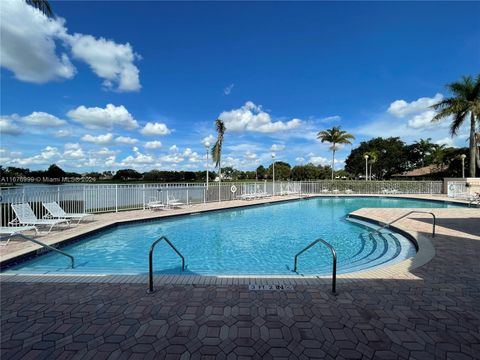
<point>10,231</point>
<point>25,216</point>
<point>155,204</point>
<point>56,212</point>
<point>173,202</point>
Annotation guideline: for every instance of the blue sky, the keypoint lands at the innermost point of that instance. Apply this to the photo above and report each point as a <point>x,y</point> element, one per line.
<point>109,85</point>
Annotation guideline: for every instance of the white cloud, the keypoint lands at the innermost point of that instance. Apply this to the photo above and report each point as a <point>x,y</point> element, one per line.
<point>228,89</point>
<point>250,156</point>
<point>28,44</point>
<point>39,118</point>
<point>7,127</point>
<point>100,139</point>
<point>277,147</point>
<point>251,117</point>
<point>96,118</point>
<point>150,145</point>
<point>401,108</point>
<point>208,140</point>
<point>330,119</point>
<point>173,149</point>
<point>319,160</point>
<point>73,151</point>
<point>151,129</point>
<point>106,152</point>
<point>48,155</point>
<point>421,120</point>
<point>448,141</point>
<point>125,140</point>
<point>300,160</point>
<point>110,61</point>
<point>29,49</point>
<point>63,133</point>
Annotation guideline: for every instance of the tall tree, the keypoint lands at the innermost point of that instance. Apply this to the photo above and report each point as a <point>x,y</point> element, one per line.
<point>372,159</point>
<point>335,136</point>
<point>465,103</point>
<point>42,5</point>
<point>217,147</point>
<point>424,148</point>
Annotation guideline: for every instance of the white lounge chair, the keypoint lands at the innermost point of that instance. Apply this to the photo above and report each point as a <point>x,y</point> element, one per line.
<point>26,217</point>
<point>325,191</point>
<point>56,212</point>
<point>155,204</point>
<point>349,191</point>
<point>173,202</point>
<point>10,231</point>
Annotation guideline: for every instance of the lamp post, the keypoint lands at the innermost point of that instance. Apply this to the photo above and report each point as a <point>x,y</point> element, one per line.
<point>366,167</point>
<point>463,156</point>
<point>273,168</point>
<point>207,146</point>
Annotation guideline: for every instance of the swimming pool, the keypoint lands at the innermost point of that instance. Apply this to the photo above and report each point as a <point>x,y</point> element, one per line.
<point>258,240</point>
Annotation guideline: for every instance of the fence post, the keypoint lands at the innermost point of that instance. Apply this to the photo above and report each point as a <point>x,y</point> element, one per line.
<point>84,205</point>
<point>58,194</point>
<point>116,198</point>
<point>187,194</point>
<point>143,196</point>
<point>204,194</point>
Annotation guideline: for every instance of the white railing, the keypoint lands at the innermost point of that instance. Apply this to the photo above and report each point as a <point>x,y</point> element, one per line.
<point>97,198</point>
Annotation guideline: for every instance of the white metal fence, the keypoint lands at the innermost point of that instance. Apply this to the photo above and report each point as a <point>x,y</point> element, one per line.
<point>99,198</point>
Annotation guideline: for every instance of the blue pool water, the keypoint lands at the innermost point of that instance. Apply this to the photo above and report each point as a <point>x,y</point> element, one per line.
<point>259,240</point>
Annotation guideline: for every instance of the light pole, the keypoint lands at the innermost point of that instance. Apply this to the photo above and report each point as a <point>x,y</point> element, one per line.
<point>273,168</point>
<point>207,146</point>
<point>366,167</point>
<point>463,156</point>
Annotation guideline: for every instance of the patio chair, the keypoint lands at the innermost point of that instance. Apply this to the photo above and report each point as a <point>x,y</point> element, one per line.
<point>325,191</point>
<point>155,204</point>
<point>349,191</point>
<point>173,202</point>
<point>25,216</point>
<point>11,231</point>
<point>56,212</point>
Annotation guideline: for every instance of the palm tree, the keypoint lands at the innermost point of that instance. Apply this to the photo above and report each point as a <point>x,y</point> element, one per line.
<point>42,5</point>
<point>438,155</point>
<point>465,102</point>
<point>335,136</point>
<point>372,159</point>
<point>217,147</point>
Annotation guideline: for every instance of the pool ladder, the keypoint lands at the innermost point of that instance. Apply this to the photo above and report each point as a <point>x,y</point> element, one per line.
<point>334,260</point>
<point>49,247</point>
<point>150,261</point>
<point>403,216</point>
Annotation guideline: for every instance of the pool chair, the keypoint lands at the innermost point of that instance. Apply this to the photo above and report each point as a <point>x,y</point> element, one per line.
<point>26,217</point>
<point>155,204</point>
<point>325,191</point>
<point>10,231</point>
<point>173,202</point>
<point>56,212</point>
<point>349,191</point>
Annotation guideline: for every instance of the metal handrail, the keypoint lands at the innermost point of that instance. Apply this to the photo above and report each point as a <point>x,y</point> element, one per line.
<point>405,215</point>
<point>334,260</point>
<point>150,259</point>
<point>41,244</point>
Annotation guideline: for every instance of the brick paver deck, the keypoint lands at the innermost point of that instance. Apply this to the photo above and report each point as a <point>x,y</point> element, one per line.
<point>433,314</point>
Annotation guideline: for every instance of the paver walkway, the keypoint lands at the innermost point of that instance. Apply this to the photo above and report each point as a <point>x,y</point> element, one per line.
<point>433,315</point>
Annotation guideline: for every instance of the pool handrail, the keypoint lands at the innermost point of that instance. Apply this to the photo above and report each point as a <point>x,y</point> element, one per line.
<point>150,261</point>
<point>334,260</point>
<point>52,248</point>
<point>403,216</point>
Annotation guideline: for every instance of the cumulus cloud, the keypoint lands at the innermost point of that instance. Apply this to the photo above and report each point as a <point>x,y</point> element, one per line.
<point>151,129</point>
<point>7,127</point>
<point>99,139</point>
<point>330,119</point>
<point>422,120</point>
<point>277,147</point>
<point>401,108</point>
<point>208,140</point>
<point>110,61</point>
<point>125,140</point>
<point>73,151</point>
<point>151,145</point>
<point>35,48</point>
<point>38,118</point>
<point>97,118</point>
<point>47,155</point>
<point>319,160</point>
<point>251,117</point>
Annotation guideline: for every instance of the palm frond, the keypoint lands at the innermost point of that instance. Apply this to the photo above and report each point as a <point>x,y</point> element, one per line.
<point>42,5</point>
<point>217,147</point>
